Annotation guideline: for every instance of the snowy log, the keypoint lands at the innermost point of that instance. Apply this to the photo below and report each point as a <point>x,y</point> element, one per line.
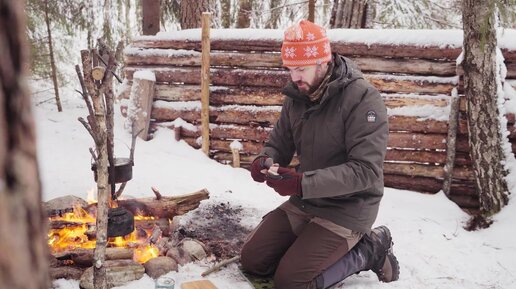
<point>279,78</point>
<point>342,47</point>
<point>431,171</point>
<point>238,114</point>
<point>172,57</point>
<point>424,156</point>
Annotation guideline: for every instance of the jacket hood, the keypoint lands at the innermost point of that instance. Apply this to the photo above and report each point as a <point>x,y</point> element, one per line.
<point>344,72</point>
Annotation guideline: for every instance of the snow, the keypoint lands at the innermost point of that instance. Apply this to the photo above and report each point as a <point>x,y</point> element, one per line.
<point>145,74</point>
<point>423,112</point>
<point>433,249</point>
<point>421,37</point>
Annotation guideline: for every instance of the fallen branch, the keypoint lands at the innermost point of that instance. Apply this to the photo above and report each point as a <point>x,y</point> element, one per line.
<point>218,266</point>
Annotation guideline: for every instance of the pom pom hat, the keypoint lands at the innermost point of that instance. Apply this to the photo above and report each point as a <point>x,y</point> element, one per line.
<point>305,43</point>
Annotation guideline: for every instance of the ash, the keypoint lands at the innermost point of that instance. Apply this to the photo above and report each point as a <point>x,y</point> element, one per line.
<point>219,227</point>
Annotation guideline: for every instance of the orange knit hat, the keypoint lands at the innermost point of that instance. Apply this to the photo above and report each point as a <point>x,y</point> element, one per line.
<point>305,43</point>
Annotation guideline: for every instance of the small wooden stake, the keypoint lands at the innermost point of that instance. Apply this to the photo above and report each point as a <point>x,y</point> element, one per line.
<point>205,83</point>
<point>236,157</point>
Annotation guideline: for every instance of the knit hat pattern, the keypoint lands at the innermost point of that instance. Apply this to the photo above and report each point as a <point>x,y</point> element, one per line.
<point>305,43</point>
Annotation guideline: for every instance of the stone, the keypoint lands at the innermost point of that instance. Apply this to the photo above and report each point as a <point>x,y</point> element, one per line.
<point>195,249</point>
<point>158,266</point>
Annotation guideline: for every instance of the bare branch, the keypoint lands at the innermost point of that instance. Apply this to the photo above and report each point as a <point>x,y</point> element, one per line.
<point>88,128</point>
<point>95,158</point>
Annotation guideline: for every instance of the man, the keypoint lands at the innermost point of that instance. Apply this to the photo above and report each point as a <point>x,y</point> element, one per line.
<point>336,123</point>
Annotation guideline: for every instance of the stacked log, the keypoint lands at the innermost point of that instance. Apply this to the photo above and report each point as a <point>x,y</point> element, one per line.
<point>416,84</point>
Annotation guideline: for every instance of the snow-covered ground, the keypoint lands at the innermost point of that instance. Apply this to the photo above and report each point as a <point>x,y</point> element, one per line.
<point>433,248</point>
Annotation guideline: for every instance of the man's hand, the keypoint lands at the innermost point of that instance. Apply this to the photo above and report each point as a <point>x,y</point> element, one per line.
<point>259,168</point>
<point>284,181</point>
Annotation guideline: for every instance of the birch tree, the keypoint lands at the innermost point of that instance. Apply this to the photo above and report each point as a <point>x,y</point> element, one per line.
<point>481,90</point>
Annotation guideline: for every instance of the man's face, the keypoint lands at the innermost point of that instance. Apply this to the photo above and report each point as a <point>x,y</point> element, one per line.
<point>307,78</point>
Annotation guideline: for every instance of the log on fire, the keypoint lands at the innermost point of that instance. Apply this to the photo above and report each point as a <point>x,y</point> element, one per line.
<point>165,207</point>
<point>84,257</point>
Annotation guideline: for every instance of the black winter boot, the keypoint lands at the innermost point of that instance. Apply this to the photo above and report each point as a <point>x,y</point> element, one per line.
<point>372,252</point>
<point>385,264</point>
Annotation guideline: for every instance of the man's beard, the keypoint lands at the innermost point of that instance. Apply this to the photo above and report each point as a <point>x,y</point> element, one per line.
<point>304,87</point>
<point>308,89</point>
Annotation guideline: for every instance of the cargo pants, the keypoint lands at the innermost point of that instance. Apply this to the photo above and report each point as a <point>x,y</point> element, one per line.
<point>295,247</point>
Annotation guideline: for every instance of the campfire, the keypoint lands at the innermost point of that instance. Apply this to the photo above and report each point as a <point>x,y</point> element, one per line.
<point>76,230</point>
<point>72,233</point>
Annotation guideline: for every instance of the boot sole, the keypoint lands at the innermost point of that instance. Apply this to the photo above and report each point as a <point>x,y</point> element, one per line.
<point>390,256</point>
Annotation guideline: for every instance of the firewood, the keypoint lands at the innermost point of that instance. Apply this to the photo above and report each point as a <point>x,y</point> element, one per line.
<point>84,257</point>
<point>118,273</point>
<point>167,207</point>
<point>66,272</point>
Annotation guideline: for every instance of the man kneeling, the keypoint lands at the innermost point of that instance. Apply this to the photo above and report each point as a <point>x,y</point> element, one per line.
<point>336,123</point>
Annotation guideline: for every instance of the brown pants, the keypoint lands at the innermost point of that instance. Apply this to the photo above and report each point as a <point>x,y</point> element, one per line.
<point>294,246</point>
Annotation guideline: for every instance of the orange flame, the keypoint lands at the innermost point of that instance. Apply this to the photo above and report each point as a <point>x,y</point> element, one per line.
<point>78,232</point>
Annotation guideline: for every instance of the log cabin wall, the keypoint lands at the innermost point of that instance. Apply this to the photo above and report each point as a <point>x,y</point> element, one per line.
<point>416,81</point>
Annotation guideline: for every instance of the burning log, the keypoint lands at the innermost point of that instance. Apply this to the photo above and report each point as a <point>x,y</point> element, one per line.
<point>167,207</point>
<point>84,257</point>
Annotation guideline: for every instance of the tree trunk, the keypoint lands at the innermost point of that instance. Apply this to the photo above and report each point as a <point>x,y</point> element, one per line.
<point>127,18</point>
<point>52,59</point>
<point>226,13</point>
<point>108,35</point>
<point>480,88</point>
<point>23,261</point>
<point>349,14</point>
<point>191,11</point>
<point>151,12</point>
<point>274,14</point>
<point>244,14</point>
<point>311,10</point>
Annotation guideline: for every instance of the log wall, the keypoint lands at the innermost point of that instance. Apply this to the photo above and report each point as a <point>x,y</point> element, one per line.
<point>416,84</point>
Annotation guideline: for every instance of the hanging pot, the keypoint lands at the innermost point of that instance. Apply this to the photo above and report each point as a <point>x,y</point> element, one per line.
<point>120,222</point>
<point>123,170</point>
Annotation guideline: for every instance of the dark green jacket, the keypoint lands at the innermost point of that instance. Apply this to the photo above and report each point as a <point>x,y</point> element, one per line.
<point>341,144</point>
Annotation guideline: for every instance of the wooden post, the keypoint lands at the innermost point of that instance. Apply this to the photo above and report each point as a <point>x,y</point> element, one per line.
<point>205,82</point>
<point>236,157</point>
<point>151,12</point>
<point>451,141</point>
<point>177,132</point>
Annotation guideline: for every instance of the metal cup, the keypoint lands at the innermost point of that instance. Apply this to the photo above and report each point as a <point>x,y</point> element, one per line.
<point>164,283</point>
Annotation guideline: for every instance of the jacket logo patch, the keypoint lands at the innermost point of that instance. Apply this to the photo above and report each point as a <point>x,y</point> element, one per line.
<point>371,116</point>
